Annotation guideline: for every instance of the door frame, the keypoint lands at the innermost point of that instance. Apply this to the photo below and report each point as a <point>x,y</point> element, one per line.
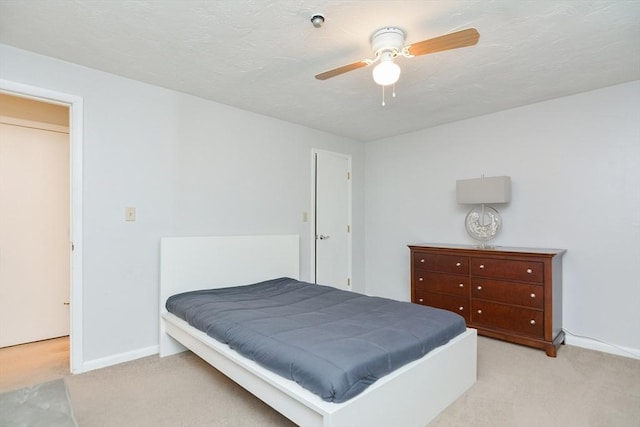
<point>75,104</point>
<point>312,216</point>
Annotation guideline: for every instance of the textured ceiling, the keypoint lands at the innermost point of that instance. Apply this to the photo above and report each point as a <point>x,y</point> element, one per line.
<point>262,56</point>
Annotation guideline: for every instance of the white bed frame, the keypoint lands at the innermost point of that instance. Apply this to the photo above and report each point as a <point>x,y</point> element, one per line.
<point>410,396</point>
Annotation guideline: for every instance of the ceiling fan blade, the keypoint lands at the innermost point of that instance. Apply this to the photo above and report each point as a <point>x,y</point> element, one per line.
<point>341,70</point>
<point>463,38</point>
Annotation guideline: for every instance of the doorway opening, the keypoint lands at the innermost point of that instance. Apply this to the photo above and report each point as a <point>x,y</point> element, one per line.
<point>73,106</point>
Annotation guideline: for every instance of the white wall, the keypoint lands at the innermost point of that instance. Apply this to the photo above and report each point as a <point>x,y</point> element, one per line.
<point>575,169</point>
<point>190,167</point>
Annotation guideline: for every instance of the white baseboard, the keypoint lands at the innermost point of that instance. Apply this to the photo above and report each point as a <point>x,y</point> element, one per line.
<point>592,344</point>
<point>118,358</point>
<point>587,343</point>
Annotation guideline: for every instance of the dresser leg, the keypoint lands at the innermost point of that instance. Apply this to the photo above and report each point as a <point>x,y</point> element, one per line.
<point>552,349</point>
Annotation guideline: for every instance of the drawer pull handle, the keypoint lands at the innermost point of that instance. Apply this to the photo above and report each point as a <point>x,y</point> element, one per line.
<point>481,265</point>
<point>533,295</point>
<point>420,279</point>
<point>461,308</point>
<point>422,260</point>
<point>533,322</point>
<point>461,285</point>
<point>479,311</point>
<point>421,300</point>
<point>479,288</point>
<point>529,270</point>
<point>458,264</point>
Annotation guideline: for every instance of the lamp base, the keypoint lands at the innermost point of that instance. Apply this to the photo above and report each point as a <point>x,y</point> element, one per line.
<point>483,223</point>
<point>483,245</point>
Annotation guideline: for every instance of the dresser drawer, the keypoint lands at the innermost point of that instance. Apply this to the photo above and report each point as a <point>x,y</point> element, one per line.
<point>442,283</point>
<point>441,263</point>
<point>447,302</point>
<point>508,318</point>
<point>508,292</point>
<point>526,271</point>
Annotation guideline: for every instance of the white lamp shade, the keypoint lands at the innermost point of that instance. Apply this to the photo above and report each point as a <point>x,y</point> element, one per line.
<point>386,73</point>
<point>495,189</point>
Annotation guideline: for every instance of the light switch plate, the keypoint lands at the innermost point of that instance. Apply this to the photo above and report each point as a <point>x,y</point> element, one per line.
<point>130,214</point>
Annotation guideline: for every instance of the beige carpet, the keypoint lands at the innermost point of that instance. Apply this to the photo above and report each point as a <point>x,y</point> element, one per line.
<point>517,387</point>
<point>180,390</point>
<point>521,387</point>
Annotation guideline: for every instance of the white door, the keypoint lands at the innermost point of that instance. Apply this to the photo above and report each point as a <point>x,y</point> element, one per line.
<point>34,234</point>
<point>332,219</point>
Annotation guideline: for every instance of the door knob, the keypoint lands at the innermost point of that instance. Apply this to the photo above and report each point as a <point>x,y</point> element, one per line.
<point>323,237</point>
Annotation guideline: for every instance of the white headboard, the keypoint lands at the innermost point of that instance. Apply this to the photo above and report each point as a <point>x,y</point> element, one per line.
<point>192,263</point>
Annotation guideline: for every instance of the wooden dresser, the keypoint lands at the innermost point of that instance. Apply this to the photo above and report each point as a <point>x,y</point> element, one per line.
<point>513,294</point>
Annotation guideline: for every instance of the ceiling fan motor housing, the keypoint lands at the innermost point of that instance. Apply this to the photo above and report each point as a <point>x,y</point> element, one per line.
<point>388,39</point>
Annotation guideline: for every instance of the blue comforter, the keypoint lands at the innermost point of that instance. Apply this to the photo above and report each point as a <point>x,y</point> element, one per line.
<point>334,343</point>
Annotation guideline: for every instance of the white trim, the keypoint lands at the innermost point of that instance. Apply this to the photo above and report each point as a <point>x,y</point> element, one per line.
<point>592,344</point>
<point>312,216</point>
<point>75,104</point>
<point>312,220</point>
<point>116,359</point>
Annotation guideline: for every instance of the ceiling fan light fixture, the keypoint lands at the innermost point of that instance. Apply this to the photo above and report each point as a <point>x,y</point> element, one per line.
<point>386,72</point>
<point>389,42</point>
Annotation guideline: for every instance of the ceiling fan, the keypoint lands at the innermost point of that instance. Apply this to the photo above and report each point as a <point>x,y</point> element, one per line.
<point>388,43</point>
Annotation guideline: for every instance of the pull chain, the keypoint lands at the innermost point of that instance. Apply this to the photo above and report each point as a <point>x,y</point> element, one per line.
<point>393,94</point>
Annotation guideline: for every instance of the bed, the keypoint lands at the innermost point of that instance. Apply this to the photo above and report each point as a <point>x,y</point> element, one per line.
<point>409,396</point>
